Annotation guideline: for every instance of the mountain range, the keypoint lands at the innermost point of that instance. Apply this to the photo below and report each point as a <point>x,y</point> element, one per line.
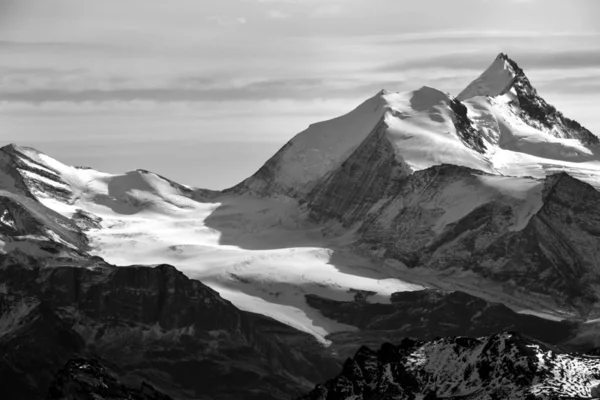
<point>469,223</point>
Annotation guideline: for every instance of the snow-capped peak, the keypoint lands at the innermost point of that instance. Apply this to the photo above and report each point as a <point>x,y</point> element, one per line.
<point>496,80</point>
<point>510,89</point>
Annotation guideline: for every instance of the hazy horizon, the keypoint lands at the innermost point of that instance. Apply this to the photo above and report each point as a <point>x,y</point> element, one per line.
<point>205,92</point>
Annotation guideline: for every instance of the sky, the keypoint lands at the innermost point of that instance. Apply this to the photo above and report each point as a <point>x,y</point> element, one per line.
<point>205,91</point>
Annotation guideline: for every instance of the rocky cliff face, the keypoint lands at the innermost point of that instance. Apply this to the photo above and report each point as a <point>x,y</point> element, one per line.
<point>429,314</point>
<point>21,216</point>
<point>24,175</point>
<point>530,241</point>
<point>155,324</point>
<point>502,366</point>
<point>538,113</point>
<point>449,218</point>
<point>370,174</point>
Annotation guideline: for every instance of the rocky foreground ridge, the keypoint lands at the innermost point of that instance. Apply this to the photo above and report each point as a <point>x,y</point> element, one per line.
<point>502,366</point>
<point>154,324</point>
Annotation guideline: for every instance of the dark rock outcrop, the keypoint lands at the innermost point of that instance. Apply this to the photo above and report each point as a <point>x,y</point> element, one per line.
<point>371,174</point>
<point>553,255</point>
<point>502,366</point>
<point>88,379</point>
<point>465,128</point>
<point>538,113</point>
<point>427,314</point>
<point>155,324</point>
<point>23,216</point>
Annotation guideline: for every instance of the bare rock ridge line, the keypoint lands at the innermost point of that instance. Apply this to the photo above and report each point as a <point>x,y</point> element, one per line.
<point>503,366</point>
<point>538,110</point>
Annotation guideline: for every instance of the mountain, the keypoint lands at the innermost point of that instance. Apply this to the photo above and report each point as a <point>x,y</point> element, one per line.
<point>501,366</point>
<point>498,124</point>
<point>470,188</point>
<point>154,325</point>
<point>430,314</point>
<point>505,78</point>
<point>417,214</point>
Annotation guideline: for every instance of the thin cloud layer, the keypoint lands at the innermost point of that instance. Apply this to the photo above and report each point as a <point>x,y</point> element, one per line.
<point>262,70</point>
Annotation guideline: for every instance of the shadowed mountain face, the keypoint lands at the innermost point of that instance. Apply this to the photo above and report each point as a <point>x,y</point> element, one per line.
<point>503,366</point>
<point>430,314</point>
<point>155,324</point>
<point>82,379</point>
<point>546,246</point>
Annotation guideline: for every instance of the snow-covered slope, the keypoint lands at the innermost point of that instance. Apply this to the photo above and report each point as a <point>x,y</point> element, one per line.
<point>259,253</point>
<point>502,366</point>
<point>313,153</point>
<point>409,190</point>
<point>505,78</point>
<point>498,124</point>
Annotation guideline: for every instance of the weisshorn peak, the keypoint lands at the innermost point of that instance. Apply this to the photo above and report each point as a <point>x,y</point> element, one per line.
<point>416,214</point>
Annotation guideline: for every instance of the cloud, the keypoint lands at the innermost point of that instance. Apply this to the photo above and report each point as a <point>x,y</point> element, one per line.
<point>189,89</point>
<point>276,14</point>
<point>589,85</point>
<point>227,21</point>
<point>570,59</point>
<point>327,10</point>
<point>52,47</point>
<point>511,1</point>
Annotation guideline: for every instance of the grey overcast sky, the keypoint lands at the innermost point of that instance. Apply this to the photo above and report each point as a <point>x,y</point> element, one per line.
<point>204,91</point>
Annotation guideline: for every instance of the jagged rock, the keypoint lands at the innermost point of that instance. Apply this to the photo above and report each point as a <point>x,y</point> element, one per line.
<point>87,379</point>
<point>537,112</point>
<point>501,366</point>
<point>23,216</point>
<point>465,127</point>
<point>86,221</point>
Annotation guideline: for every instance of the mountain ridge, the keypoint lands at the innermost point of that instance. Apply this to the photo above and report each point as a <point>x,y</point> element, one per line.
<point>507,365</point>
<point>408,192</point>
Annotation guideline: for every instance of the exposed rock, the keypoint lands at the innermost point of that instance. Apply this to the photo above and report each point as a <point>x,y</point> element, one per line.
<point>503,366</point>
<point>86,221</point>
<point>87,379</point>
<point>23,216</point>
<point>538,113</point>
<point>595,392</point>
<point>551,254</point>
<point>17,170</point>
<point>465,127</point>
<point>156,325</point>
<point>427,314</point>
<point>371,174</point>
